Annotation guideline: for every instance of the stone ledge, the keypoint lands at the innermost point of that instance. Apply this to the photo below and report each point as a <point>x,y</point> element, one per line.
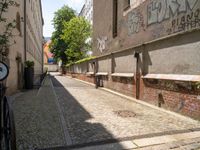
<point>128,75</point>
<point>102,74</point>
<point>176,77</point>
<point>89,73</point>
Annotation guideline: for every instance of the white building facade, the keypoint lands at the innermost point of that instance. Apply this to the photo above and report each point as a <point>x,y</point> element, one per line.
<point>87,11</point>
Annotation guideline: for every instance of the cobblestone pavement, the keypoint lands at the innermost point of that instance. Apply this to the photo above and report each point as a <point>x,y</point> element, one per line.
<point>91,116</point>
<point>74,113</point>
<point>37,119</point>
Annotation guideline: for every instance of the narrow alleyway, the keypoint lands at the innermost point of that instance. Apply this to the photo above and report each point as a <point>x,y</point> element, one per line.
<point>72,113</point>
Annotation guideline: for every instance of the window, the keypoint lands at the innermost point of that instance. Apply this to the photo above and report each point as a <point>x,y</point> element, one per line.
<point>127,4</point>
<point>115,18</point>
<point>18,22</point>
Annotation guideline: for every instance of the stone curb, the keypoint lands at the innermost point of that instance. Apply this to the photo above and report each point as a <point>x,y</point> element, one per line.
<point>145,142</point>
<point>64,123</point>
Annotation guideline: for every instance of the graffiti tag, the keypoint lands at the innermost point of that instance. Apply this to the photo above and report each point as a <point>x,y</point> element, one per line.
<point>160,10</point>
<point>135,22</point>
<point>101,43</point>
<point>185,23</point>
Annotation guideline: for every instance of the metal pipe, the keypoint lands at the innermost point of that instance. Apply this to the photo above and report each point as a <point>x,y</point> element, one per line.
<point>25,30</point>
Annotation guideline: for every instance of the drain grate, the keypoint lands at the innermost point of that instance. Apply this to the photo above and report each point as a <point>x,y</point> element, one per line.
<point>125,113</point>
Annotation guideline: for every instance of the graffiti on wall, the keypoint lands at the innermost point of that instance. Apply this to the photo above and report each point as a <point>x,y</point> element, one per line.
<point>160,10</point>
<point>185,23</point>
<point>101,43</point>
<point>135,22</point>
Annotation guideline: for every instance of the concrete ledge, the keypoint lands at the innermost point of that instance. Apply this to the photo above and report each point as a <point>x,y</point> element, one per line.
<point>128,75</point>
<point>89,73</point>
<point>176,77</point>
<point>102,74</point>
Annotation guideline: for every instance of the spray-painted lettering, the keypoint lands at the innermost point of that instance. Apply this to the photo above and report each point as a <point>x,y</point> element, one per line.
<point>185,23</point>
<point>160,10</point>
<point>135,21</point>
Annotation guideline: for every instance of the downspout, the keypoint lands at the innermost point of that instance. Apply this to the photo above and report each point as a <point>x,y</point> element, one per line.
<point>25,30</point>
<point>42,36</point>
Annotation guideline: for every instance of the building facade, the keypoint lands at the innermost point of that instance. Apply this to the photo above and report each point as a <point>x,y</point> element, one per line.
<point>34,36</point>
<point>148,49</point>
<point>48,56</point>
<point>87,11</point>
<point>28,37</point>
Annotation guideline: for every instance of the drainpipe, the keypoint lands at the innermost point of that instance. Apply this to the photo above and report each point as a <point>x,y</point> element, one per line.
<point>137,56</point>
<point>25,30</point>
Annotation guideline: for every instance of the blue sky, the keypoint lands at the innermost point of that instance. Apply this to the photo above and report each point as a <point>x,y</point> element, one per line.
<point>50,6</point>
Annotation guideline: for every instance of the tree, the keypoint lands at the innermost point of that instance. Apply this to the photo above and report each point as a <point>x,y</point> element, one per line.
<point>58,46</point>
<point>75,34</point>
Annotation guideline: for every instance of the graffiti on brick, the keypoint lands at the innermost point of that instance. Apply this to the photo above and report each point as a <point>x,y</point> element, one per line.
<point>158,31</point>
<point>101,43</point>
<point>135,22</point>
<point>185,23</point>
<point>160,10</point>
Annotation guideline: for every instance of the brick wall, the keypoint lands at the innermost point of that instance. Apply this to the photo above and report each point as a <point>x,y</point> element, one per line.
<point>84,77</point>
<point>180,97</point>
<point>121,84</point>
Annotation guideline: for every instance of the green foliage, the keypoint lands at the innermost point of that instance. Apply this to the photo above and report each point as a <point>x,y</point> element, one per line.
<point>75,33</point>
<point>6,34</point>
<point>58,45</point>
<point>29,64</point>
<point>81,61</point>
<point>85,59</point>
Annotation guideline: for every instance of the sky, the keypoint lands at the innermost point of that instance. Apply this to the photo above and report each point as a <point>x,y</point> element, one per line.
<point>51,6</point>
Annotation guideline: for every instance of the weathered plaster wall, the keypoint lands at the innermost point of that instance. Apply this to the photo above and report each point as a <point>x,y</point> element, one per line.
<point>90,66</point>
<point>178,55</point>
<point>80,68</point>
<point>15,78</point>
<point>102,25</point>
<point>124,62</point>
<point>104,65</point>
<point>34,35</point>
<point>151,20</point>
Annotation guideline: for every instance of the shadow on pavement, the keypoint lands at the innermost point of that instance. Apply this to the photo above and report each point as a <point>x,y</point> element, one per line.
<point>82,133</point>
